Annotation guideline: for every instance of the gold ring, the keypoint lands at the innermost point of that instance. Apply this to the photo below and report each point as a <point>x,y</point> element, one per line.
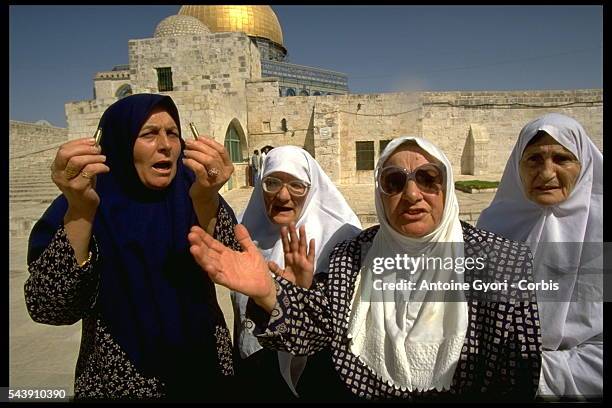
<point>213,172</point>
<point>71,172</point>
<point>86,174</point>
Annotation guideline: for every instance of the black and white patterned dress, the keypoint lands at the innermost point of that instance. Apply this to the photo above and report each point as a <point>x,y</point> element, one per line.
<point>59,292</point>
<point>500,359</point>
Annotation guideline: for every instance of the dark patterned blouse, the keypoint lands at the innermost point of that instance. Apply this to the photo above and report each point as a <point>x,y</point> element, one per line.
<point>500,359</point>
<point>59,292</point>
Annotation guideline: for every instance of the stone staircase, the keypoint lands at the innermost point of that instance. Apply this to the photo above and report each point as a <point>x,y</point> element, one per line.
<point>30,189</point>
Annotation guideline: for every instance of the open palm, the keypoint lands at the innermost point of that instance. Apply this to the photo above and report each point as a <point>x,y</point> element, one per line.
<point>245,272</point>
<point>299,257</point>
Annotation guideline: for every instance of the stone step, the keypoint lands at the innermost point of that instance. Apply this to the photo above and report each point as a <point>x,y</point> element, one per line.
<point>32,179</point>
<point>27,183</point>
<point>31,184</point>
<point>42,198</point>
<point>35,192</point>
<point>34,195</point>
<point>32,201</point>
<point>26,187</point>
<point>30,176</point>
<point>45,167</point>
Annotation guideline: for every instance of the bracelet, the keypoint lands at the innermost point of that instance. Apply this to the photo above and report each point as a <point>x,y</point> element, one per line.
<point>82,264</point>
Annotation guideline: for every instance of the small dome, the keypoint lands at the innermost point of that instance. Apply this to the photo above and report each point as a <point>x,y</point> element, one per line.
<point>180,25</point>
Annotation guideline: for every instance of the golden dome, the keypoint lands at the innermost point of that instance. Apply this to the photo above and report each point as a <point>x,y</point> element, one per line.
<point>256,21</point>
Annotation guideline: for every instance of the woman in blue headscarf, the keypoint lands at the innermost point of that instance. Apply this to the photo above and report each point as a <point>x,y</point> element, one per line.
<point>112,250</point>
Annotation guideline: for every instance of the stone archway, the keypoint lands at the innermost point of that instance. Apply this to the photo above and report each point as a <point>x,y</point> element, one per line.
<point>236,145</point>
<point>123,91</point>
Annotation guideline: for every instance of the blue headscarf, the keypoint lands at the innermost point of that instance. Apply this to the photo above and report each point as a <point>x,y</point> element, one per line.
<point>154,299</point>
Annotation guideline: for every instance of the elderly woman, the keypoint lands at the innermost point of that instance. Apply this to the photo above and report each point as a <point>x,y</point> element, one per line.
<point>407,342</point>
<point>293,189</point>
<point>112,250</point>
<point>551,197</point>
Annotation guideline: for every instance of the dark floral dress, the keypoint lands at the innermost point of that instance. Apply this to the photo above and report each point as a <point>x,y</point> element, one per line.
<point>60,292</point>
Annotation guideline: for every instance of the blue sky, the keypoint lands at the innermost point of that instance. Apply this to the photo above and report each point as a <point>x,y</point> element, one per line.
<point>55,51</point>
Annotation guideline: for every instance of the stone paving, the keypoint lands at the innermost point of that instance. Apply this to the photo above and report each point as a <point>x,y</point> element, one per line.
<point>43,356</point>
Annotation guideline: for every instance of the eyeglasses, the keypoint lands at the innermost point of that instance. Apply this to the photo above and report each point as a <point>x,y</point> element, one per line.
<point>273,185</point>
<point>428,178</point>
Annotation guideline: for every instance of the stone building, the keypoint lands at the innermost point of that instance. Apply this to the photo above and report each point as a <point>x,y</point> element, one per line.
<point>227,69</point>
<point>217,63</point>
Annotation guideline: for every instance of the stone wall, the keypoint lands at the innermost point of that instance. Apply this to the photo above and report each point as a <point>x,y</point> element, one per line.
<point>24,136</point>
<point>447,117</point>
<point>367,117</point>
<point>83,117</point>
<point>330,126</point>
<point>217,62</point>
<point>266,112</point>
<point>106,84</point>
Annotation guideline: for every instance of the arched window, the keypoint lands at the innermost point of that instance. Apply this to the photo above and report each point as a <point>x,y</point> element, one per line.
<point>123,91</point>
<point>232,144</point>
<point>303,92</point>
<point>290,92</point>
<point>284,125</point>
<point>235,144</point>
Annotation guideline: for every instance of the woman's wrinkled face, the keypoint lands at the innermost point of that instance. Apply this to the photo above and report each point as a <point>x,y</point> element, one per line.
<point>548,171</point>
<point>413,212</point>
<point>157,149</point>
<point>283,206</point>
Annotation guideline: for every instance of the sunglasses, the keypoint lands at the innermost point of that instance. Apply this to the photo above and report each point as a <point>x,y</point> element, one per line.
<point>273,185</point>
<point>429,178</point>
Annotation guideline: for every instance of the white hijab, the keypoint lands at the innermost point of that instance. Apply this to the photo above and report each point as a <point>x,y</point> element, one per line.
<point>326,216</point>
<point>567,320</point>
<point>404,337</point>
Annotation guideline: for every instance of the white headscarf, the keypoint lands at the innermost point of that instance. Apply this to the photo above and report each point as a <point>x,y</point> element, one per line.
<point>574,323</point>
<point>413,344</point>
<point>326,216</point>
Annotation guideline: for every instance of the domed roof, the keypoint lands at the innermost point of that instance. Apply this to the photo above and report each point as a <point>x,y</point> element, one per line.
<point>256,21</point>
<point>180,25</point>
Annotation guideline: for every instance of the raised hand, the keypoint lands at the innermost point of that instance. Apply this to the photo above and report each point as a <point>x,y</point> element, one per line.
<point>299,257</point>
<point>74,171</point>
<point>211,164</point>
<point>245,272</point>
